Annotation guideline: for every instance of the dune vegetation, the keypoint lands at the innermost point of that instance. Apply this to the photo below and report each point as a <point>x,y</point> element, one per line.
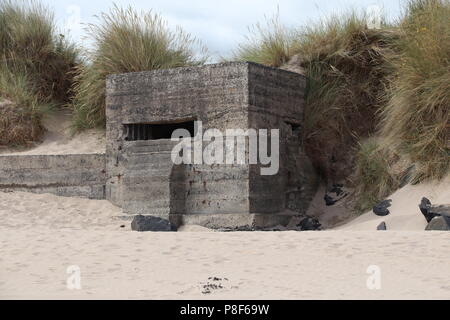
<point>36,69</point>
<point>414,124</point>
<point>347,67</point>
<point>20,109</point>
<point>378,101</point>
<point>416,118</point>
<point>127,41</point>
<point>270,44</point>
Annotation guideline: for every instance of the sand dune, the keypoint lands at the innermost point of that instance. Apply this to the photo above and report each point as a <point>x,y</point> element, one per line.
<point>42,235</point>
<point>59,139</point>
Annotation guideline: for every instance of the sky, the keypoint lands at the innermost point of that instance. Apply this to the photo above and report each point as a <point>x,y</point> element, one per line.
<point>220,25</point>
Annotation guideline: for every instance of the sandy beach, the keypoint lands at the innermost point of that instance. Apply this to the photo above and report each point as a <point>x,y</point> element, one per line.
<point>44,237</point>
<point>41,236</point>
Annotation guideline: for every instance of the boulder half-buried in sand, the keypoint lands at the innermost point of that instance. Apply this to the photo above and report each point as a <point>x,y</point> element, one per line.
<point>381,209</point>
<point>309,224</point>
<point>439,224</point>
<point>382,226</point>
<point>430,212</point>
<point>148,223</point>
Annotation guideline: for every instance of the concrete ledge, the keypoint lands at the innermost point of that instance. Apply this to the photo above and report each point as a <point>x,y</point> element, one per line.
<point>80,175</point>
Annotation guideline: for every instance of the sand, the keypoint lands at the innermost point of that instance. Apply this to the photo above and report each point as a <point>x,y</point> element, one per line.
<point>59,139</point>
<point>329,216</point>
<point>43,235</point>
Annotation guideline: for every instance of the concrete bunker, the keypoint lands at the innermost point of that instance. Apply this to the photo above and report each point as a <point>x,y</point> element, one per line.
<point>144,108</point>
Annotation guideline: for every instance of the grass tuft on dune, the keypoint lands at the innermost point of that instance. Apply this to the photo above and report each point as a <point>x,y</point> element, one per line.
<point>127,41</point>
<point>417,117</point>
<point>20,110</point>
<point>36,69</point>
<point>345,62</point>
<point>377,104</point>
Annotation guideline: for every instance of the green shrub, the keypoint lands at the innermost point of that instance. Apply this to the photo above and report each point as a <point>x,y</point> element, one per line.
<point>127,41</point>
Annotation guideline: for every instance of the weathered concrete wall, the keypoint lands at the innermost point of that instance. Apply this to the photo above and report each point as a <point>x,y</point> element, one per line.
<point>276,101</point>
<point>63,175</point>
<point>214,94</point>
<point>150,183</point>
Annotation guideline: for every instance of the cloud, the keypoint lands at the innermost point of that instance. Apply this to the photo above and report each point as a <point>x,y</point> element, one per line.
<point>221,25</point>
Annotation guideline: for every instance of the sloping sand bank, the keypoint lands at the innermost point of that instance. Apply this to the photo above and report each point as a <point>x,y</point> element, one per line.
<point>42,235</point>
<point>405,213</point>
<point>59,139</point>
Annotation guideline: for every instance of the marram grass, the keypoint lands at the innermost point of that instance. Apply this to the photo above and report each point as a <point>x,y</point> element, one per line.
<point>392,83</point>
<point>417,117</point>
<point>127,41</point>
<point>36,69</point>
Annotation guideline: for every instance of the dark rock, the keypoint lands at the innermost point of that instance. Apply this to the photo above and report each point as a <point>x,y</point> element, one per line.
<point>430,212</point>
<point>335,194</point>
<point>425,206</point>
<point>447,220</point>
<point>148,223</point>
<point>337,189</point>
<point>309,224</point>
<point>329,201</point>
<point>440,211</point>
<point>439,224</point>
<point>381,209</point>
<point>382,226</point>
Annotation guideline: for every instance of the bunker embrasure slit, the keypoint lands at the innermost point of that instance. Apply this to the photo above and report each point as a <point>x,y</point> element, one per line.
<point>149,131</point>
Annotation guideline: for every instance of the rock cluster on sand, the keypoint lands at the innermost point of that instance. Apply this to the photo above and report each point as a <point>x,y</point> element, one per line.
<point>148,223</point>
<point>438,217</point>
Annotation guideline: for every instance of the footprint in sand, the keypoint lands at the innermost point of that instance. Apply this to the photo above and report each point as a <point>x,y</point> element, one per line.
<point>113,269</point>
<point>21,265</point>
